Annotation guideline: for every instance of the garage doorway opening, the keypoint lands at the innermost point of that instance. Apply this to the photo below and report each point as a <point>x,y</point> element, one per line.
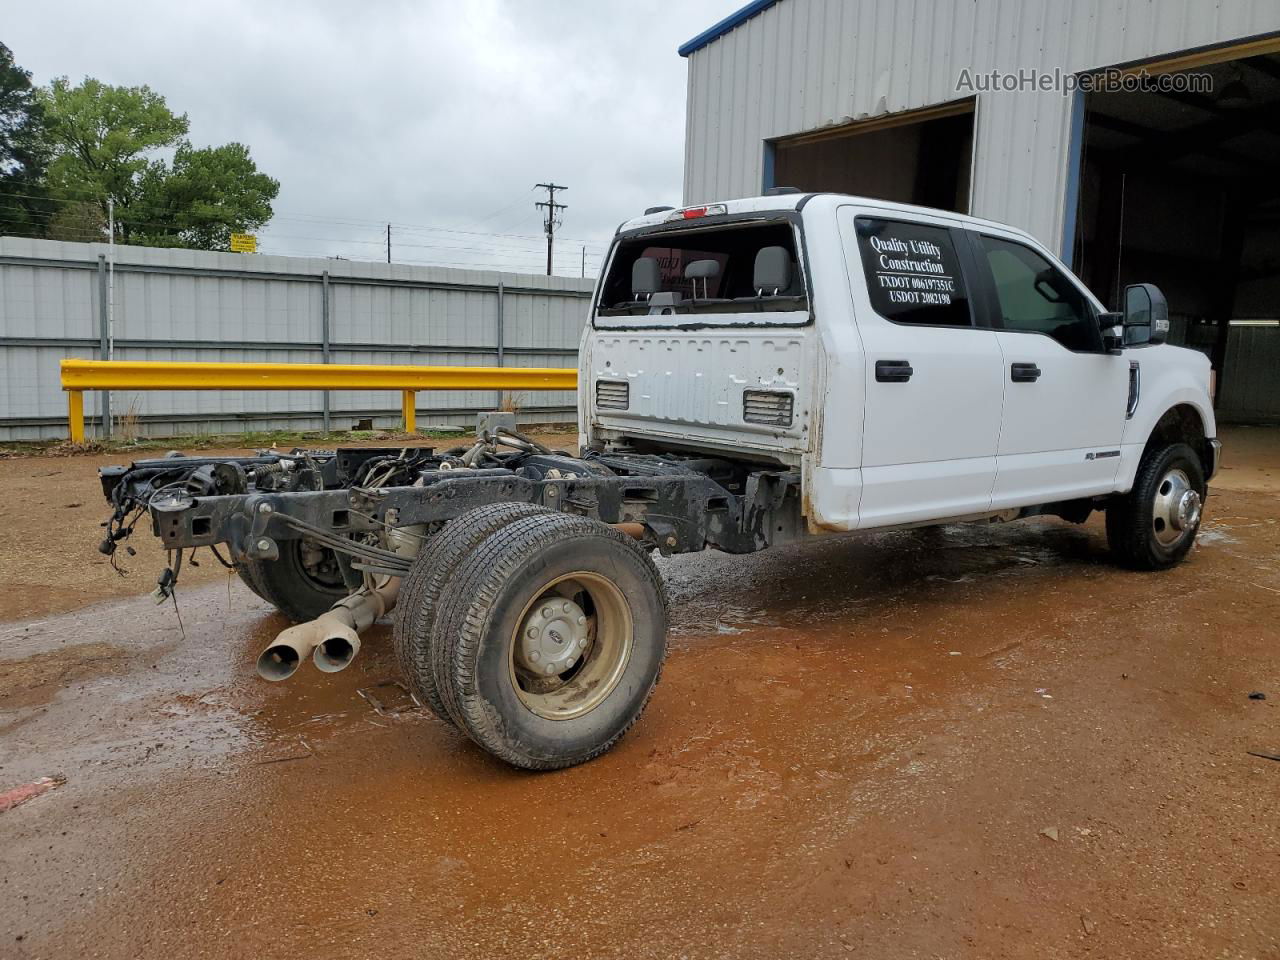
<point>922,156</point>
<point>1179,189</point>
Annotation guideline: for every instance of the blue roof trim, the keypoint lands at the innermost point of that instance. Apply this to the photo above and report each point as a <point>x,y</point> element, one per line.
<point>724,26</point>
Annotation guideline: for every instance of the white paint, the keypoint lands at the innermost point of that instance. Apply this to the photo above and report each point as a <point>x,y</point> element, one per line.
<point>958,439</point>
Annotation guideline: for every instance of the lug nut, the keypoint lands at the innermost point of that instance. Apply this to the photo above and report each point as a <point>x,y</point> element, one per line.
<point>581,621</point>
<point>535,656</point>
<point>533,633</point>
<point>564,607</point>
<point>547,611</point>
<point>264,544</point>
<point>551,668</point>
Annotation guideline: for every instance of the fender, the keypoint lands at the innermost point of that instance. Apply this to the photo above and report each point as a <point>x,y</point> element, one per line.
<point>1169,377</point>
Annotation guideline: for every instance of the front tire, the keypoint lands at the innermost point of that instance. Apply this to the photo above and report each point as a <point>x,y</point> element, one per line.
<point>1154,526</point>
<point>555,632</point>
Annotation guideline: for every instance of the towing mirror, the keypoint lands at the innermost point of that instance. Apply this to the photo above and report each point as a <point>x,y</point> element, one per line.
<point>1146,314</point>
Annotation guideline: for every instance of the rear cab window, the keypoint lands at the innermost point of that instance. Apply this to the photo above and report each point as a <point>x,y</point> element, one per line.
<point>913,272</point>
<point>734,273</point>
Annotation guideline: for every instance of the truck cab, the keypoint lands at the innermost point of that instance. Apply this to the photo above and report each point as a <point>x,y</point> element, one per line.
<point>915,365</point>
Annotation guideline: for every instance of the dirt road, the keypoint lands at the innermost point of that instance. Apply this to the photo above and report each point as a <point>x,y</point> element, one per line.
<point>967,742</point>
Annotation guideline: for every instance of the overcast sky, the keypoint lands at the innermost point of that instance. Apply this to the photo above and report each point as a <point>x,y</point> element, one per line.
<point>432,115</point>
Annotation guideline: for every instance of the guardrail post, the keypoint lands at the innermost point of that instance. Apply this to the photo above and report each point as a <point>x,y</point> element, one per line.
<point>324,338</point>
<point>75,414</point>
<point>409,409</point>
<point>104,396</point>
<point>501,337</point>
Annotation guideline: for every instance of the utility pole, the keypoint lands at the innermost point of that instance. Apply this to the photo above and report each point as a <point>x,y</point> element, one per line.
<point>552,220</point>
<point>111,306</point>
<point>388,243</point>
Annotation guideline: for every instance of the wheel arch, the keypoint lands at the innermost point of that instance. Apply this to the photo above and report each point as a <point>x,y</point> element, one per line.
<point>1183,422</point>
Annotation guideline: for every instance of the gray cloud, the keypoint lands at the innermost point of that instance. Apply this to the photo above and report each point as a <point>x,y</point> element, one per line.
<point>427,115</point>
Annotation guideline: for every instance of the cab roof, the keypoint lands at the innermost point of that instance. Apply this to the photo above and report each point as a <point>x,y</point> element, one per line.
<point>811,202</point>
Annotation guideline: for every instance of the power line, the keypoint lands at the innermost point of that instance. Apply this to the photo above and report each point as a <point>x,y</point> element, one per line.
<point>140,209</point>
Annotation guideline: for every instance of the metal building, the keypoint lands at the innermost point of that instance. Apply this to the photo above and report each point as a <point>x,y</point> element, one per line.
<point>1163,171</point>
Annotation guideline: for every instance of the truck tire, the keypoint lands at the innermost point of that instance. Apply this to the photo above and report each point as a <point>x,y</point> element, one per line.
<point>555,629</point>
<point>1154,525</point>
<point>415,613</point>
<point>305,582</point>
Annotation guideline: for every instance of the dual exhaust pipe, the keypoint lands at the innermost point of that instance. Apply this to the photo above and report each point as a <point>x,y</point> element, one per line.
<point>332,640</point>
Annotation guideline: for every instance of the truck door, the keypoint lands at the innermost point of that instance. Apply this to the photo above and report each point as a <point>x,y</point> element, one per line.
<point>931,419</point>
<point>1065,396</point>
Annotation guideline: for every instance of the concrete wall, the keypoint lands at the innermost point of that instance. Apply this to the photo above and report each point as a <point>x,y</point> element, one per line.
<point>192,305</point>
<point>801,65</point>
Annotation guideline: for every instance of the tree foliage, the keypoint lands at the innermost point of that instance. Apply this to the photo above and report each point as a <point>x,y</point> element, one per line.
<point>203,197</point>
<point>101,136</point>
<point>91,143</point>
<point>23,151</point>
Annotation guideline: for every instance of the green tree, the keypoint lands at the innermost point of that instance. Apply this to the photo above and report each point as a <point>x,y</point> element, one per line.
<point>203,197</point>
<point>24,208</point>
<point>104,141</point>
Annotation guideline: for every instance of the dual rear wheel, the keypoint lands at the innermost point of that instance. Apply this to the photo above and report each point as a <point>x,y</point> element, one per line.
<point>540,635</point>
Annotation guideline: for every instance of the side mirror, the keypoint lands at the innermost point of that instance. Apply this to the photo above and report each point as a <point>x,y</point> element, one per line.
<point>1146,314</point>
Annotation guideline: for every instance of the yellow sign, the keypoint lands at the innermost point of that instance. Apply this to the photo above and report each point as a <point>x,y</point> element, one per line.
<point>244,243</point>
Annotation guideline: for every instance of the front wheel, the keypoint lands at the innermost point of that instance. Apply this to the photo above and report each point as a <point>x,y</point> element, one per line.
<point>1154,525</point>
<point>555,631</point>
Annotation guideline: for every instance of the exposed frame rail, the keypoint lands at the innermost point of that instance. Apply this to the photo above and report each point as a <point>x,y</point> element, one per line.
<point>81,375</point>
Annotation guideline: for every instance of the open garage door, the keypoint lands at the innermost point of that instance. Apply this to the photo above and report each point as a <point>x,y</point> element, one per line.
<point>922,156</point>
<point>1179,188</point>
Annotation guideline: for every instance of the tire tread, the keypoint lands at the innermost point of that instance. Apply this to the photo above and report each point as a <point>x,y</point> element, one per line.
<point>471,602</point>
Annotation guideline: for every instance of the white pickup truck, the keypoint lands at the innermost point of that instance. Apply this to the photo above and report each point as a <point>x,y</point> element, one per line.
<point>753,372</point>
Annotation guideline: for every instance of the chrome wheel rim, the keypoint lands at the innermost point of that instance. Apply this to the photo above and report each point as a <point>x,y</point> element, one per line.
<point>1175,513</point>
<point>571,645</point>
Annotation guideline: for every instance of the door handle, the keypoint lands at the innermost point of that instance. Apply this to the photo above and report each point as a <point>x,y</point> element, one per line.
<point>893,371</point>
<point>1024,372</point>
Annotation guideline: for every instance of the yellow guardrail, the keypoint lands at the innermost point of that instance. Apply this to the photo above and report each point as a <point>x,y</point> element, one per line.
<point>81,375</point>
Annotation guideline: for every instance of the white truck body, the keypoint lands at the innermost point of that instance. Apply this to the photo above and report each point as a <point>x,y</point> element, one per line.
<point>960,438</point>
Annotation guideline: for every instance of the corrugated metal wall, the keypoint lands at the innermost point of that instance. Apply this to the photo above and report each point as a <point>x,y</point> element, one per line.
<point>1249,385</point>
<point>192,305</point>
<point>806,64</point>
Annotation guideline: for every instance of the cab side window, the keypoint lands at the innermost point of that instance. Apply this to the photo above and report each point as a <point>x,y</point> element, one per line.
<point>913,273</point>
<point>1035,296</point>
